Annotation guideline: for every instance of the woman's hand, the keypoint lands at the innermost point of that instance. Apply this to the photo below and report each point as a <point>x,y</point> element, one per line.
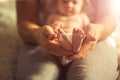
<point>93,33</point>
<point>48,43</point>
<point>85,50</point>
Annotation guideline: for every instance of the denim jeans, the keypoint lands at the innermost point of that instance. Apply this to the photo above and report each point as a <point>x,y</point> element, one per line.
<point>100,64</point>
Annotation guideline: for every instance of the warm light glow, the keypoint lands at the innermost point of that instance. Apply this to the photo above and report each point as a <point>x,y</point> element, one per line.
<point>115,6</point>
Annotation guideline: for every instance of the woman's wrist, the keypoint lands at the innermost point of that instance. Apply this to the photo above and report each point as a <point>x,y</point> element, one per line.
<point>37,35</point>
<point>100,31</point>
<point>94,31</point>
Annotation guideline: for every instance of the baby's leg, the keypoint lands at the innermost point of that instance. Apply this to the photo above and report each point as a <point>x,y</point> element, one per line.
<point>63,40</point>
<point>77,39</point>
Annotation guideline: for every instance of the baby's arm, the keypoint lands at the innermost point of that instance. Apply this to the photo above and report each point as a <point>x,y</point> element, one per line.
<point>54,24</point>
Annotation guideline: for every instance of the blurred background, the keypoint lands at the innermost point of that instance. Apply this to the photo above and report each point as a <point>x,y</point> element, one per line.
<point>10,42</point>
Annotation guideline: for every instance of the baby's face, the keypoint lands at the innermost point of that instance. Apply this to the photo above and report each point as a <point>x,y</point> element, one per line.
<point>70,7</point>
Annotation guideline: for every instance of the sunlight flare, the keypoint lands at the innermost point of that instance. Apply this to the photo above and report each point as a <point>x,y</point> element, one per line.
<point>115,6</point>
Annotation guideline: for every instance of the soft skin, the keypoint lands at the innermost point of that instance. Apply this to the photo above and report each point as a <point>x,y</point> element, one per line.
<point>104,23</point>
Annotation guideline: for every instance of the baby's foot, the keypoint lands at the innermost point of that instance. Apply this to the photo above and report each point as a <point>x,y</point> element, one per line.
<point>77,39</point>
<point>63,40</point>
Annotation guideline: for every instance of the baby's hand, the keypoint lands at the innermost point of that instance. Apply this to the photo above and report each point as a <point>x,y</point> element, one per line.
<point>57,25</point>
